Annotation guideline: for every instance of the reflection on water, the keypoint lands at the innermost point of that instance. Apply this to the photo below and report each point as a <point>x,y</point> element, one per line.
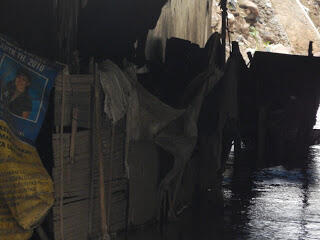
<point>278,203</point>
<point>273,203</point>
<point>287,202</point>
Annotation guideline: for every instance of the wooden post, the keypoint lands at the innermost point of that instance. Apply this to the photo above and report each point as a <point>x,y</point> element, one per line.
<point>261,135</point>
<point>237,134</point>
<point>261,126</point>
<point>104,227</point>
<point>310,50</point>
<point>223,6</point>
<point>110,173</point>
<point>74,126</point>
<point>237,147</point>
<point>93,156</point>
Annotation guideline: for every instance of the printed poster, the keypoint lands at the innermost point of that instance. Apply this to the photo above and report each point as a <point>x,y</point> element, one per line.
<point>26,82</point>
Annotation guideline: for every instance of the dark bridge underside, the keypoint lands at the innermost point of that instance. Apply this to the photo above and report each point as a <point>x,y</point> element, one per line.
<point>104,28</point>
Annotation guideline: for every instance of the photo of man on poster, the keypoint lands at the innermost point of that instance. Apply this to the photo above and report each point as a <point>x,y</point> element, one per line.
<point>16,94</point>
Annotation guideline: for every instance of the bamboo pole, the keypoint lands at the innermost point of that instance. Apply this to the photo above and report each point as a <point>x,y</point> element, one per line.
<point>92,162</point>
<point>104,227</point>
<point>74,126</point>
<point>310,50</point>
<point>110,173</point>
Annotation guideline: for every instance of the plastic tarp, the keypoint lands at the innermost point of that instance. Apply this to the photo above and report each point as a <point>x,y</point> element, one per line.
<point>150,119</point>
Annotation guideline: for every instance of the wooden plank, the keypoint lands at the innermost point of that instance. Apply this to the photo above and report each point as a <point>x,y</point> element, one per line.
<point>77,93</point>
<point>104,227</point>
<point>80,194</point>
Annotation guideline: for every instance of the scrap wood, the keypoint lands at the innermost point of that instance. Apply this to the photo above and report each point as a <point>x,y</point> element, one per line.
<point>81,203</point>
<point>110,174</point>
<point>77,90</point>
<point>205,81</point>
<point>74,127</point>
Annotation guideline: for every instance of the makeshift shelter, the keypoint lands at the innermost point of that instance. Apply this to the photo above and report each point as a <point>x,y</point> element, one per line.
<point>125,151</point>
<point>76,136</point>
<point>132,119</point>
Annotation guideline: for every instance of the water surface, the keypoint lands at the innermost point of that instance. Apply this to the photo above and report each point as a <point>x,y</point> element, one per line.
<point>280,202</point>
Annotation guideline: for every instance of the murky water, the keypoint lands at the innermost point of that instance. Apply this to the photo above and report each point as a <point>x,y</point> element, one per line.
<point>274,203</point>
<point>283,203</point>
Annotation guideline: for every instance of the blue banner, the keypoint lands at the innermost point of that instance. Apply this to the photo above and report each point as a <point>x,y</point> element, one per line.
<point>26,82</point>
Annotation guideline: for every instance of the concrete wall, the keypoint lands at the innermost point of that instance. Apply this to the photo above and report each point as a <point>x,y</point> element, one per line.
<point>187,19</point>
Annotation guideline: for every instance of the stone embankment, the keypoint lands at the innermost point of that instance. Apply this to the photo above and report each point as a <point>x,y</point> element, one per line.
<point>283,26</point>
